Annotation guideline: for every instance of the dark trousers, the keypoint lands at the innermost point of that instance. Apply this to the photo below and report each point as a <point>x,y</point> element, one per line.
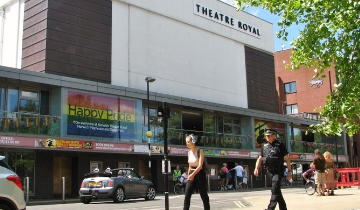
<point>198,182</point>
<point>276,196</point>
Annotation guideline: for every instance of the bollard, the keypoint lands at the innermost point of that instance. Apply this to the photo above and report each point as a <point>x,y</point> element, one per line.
<point>27,189</point>
<point>251,181</point>
<point>236,183</point>
<point>265,180</point>
<point>63,182</point>
<point>208,178</point>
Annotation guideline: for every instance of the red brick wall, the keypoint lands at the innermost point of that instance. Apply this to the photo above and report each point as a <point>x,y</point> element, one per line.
<point>307,97</point>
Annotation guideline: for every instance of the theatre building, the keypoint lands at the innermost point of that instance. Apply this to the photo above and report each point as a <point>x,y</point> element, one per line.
<point>73,95</point>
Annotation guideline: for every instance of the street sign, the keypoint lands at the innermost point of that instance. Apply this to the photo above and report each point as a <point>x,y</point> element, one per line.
<point>163,167</point>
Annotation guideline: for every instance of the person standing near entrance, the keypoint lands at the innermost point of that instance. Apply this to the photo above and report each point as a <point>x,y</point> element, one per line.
<point>196,174</point>
<point>239,171</point>
<point>176,174</point>
<point>273,155</point>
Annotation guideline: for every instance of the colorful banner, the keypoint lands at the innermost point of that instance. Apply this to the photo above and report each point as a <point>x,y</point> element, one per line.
<point>215,152</point>
<point>183,151</point>
<point>97,115</point>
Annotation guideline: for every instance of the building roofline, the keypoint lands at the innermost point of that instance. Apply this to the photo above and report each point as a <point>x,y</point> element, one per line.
<point>52,80</point>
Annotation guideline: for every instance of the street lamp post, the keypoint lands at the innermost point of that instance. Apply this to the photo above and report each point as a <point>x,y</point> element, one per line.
<point>163,112</point>
<point>149,133</point>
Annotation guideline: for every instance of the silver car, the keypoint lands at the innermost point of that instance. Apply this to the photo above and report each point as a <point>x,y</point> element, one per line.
<point>11,193</point>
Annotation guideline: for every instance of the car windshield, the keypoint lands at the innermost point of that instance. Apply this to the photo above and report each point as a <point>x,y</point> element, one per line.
<point>4,164</point>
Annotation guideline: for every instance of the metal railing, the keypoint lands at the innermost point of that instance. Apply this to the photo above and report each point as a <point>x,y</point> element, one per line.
<point>309,147</point>
<point>29,123</point>
<point>210,139</point>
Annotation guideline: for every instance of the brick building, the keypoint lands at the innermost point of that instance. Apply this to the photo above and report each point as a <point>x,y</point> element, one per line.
<point>299,94</point>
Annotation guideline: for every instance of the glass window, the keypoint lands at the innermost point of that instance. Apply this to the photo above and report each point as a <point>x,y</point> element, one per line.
<point>29,94</point>
<point>227,128</point>
<point>209,122</point>
<point>44,105</point>
<point>29,101</point>
<point>292,109</point>
<point>174,120</point>
<point>29,106</point>
<point>290,87</point>
<point>297,134</point>
<point>2,100</point>
<point>220,124</point>
<point>13,99</point>
<point>237,130</point>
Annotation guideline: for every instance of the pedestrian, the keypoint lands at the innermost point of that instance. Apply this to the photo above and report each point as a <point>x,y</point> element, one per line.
<point>330,182</point>
<point>239,171</point>
<point>246,175</point>
<point>196,174</point>
<point>273,155</point>
<point>319,164</point>
<point>176,174</point>
<point>309,173</point>
<point>223,176</point>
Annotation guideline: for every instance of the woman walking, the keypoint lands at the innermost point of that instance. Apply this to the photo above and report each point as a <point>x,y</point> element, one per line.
<point>196,174</point>
<point>330,182</point>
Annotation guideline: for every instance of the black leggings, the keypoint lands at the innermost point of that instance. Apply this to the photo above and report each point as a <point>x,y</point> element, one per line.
<point>199,182</point>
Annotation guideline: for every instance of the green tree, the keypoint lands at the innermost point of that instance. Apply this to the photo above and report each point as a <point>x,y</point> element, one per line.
<point>330,36</point>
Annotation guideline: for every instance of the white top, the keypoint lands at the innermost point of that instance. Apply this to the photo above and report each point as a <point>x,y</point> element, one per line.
<point>239,171</point>
<point>193,159</point>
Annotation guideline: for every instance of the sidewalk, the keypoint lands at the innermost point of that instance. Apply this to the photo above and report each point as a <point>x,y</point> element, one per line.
<point>344,199</point>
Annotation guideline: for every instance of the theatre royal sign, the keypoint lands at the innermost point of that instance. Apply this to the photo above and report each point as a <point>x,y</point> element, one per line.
<point>226,20</point>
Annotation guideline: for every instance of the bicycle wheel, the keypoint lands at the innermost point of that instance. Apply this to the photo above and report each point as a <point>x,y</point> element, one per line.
<point>177,188</point>
<point>310,188</point>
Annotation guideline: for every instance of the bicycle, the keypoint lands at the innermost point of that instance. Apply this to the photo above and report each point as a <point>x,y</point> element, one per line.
<point>179,187</point>
<point>310,187</point>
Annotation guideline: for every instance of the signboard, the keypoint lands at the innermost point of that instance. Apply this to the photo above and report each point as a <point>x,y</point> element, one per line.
<point>155,149</point>
<point>178,151</point>
<point>183,151</point>
<point>97,115</point>
<point>225,19</point>
<point>163,167</point>
<point>17,141</point>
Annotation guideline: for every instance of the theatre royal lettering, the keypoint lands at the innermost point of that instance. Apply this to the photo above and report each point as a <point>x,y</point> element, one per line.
<point>226,20</point>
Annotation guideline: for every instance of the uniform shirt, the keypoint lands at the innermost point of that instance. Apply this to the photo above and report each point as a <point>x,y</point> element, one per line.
<point>273,156</point>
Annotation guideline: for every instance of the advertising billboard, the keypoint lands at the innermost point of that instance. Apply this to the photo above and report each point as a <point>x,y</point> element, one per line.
<point>106,116</point>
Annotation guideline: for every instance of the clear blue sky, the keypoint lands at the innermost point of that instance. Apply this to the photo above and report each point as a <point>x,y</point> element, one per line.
<point>266,15</point>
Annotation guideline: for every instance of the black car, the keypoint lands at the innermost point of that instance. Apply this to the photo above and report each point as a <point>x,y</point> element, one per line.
<point>118,184</point>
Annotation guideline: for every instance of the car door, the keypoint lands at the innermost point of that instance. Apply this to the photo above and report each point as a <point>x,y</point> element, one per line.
<point>139,185</point>
<point>127,182</point>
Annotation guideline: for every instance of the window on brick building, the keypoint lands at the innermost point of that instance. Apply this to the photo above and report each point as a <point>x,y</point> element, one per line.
<point>292,109</point>
<point>290,87</point>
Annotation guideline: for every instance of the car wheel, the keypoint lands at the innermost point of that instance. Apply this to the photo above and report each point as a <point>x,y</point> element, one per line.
<point>150,193</point>
<point>119,195</point>
<point>85,200</point>
<point>5,206</point>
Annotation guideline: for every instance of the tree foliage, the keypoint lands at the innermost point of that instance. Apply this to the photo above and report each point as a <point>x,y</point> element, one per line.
<point>330,36</point>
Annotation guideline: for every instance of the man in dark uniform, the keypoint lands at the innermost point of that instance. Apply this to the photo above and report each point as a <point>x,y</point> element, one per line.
<point>273,155</point>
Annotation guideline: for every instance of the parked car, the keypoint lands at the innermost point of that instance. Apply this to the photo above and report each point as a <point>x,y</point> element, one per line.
<point>118,184</point>
<point>11,193</point>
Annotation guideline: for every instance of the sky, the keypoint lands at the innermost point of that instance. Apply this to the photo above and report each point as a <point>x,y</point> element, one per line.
<point>266,15</point>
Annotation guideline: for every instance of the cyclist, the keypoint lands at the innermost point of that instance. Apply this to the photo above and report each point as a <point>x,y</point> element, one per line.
<point>309,173</point>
